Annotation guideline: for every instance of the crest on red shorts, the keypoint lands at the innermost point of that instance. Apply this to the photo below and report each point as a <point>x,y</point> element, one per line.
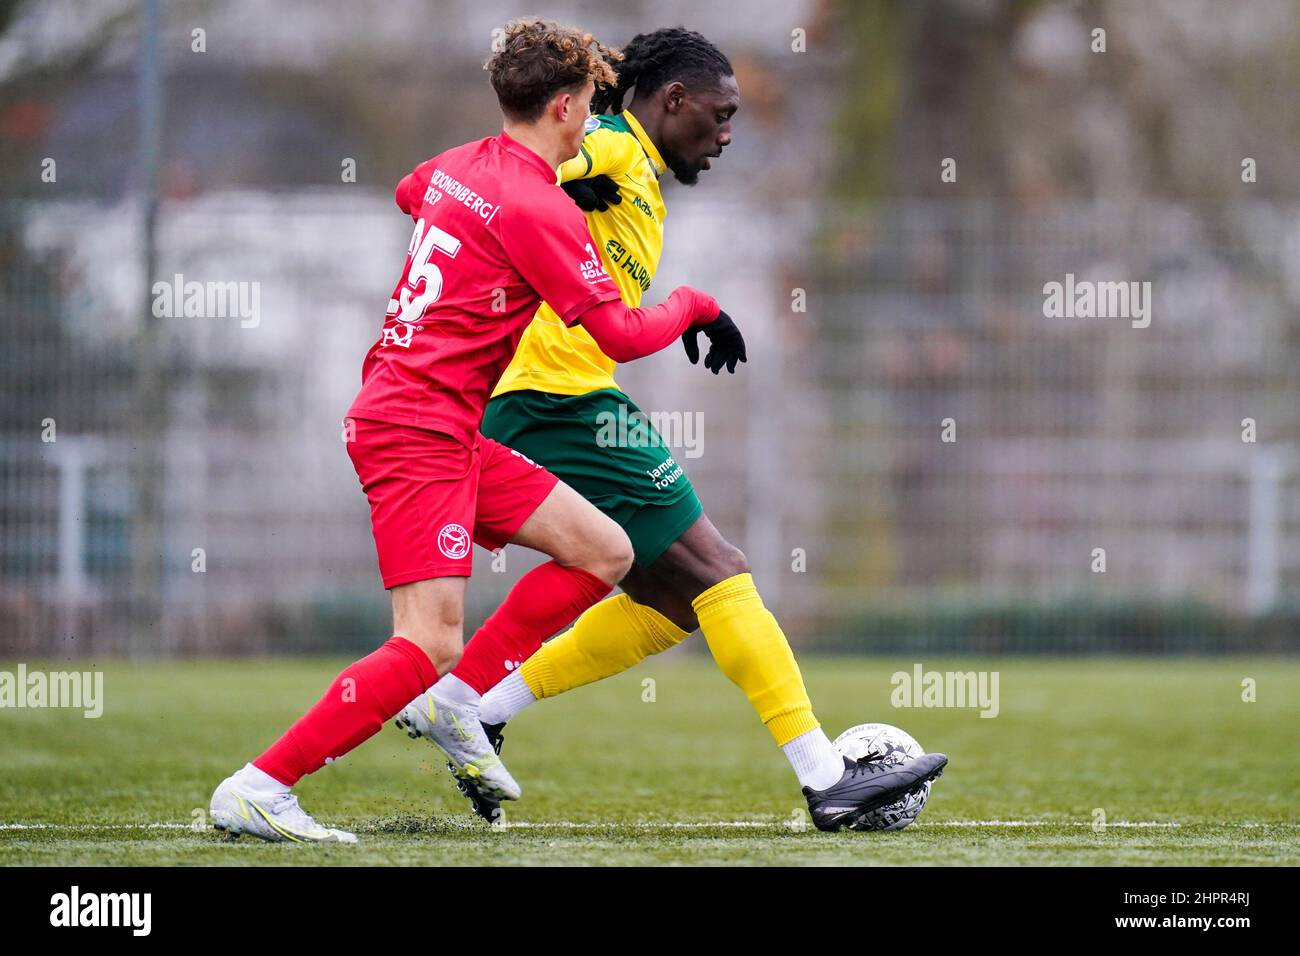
<point>453,541</point>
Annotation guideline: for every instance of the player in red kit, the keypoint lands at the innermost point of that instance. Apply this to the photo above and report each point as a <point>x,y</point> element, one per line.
<point>494,236</point>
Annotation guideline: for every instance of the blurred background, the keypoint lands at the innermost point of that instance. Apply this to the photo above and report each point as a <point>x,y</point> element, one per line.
<point>174,486</point>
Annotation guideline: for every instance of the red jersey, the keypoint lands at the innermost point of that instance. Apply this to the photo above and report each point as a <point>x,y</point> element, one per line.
<point>494,237</point>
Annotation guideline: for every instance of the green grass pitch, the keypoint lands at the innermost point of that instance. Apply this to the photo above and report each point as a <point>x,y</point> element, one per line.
<point>1184,770</point>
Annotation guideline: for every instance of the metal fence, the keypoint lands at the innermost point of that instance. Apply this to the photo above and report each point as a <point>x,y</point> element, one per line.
<point>984,450</point>
<point>913,444</point>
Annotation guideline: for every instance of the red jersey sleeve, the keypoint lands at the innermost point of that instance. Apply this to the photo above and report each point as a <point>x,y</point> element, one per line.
<point>625,334</point>
<point>410,191</point>
<point>551,247</point>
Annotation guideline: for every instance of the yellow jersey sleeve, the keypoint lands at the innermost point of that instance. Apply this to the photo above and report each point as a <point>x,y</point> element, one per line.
<point>603,152</point>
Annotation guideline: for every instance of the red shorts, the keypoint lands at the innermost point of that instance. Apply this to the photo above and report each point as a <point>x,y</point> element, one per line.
<point>430,496</point>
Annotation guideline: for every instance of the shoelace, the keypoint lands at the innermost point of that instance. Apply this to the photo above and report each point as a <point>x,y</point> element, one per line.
<point>867,765</point>
<point>286,803</point>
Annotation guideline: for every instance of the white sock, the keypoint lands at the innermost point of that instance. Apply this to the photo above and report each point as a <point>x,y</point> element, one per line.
<point>452,688</point>
<point>256,780</point>
<point>815,760</point>
<point>508,698</point>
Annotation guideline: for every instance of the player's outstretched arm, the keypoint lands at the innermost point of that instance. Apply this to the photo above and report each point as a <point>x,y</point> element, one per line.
<point>726,344</point>
<point>625,334</point>
<point>542,240</point>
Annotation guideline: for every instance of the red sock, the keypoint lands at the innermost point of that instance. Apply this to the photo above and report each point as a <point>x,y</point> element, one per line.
<point>356,705</point>
<point>545,600</point>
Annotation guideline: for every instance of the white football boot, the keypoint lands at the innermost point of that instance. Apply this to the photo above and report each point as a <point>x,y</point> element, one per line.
<point>273,817</point>
<point>454,727</point>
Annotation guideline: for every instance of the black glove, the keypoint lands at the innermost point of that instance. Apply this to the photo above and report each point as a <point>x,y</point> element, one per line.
<point>596,194</point>
<point>726,344</point>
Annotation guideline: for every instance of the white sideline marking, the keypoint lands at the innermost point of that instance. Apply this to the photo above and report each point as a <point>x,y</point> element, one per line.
<point>71,827</point>
<point>781,824</point>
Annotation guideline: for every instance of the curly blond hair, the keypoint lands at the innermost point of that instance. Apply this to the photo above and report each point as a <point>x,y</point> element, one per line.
<point>537,59</point>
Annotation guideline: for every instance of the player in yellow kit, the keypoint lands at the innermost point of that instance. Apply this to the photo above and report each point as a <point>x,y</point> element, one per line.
<point>558,404</point>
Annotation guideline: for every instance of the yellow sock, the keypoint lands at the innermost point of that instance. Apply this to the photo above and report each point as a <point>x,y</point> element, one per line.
<point>750,648</point>
<point>608,639</point>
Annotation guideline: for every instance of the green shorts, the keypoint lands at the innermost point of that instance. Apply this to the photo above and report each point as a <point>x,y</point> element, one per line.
<point>611,456</point>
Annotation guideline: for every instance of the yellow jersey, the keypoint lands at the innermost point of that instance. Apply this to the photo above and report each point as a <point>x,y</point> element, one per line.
<point>630,236</point>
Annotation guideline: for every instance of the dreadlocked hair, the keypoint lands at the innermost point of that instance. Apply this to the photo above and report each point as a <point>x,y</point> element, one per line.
<point>652,59</point>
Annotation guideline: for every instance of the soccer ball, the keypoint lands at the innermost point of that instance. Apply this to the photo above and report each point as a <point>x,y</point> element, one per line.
<point>893,746</point>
